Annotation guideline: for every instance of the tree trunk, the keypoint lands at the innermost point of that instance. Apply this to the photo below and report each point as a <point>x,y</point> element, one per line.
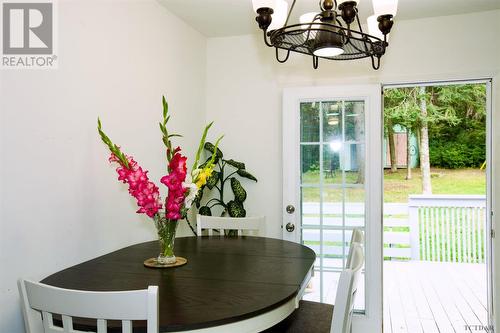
<point>425,166</point>
<point>408,153</point>
<point>392,146</point>
<point>359,131</point>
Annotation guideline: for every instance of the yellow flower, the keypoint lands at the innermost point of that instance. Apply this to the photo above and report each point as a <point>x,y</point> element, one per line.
<point>203,176</point>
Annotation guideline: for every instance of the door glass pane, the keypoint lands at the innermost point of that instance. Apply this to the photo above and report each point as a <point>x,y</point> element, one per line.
<point>311,213</point>
<point>309,122</point>
<point>353,163</point>
<point>333,207</point>
<point>332,121</point>
<point>332,188</point>
<point>309,156</point>
<point>332,173</point>
<point>355,121</point>
<point>355,207</point>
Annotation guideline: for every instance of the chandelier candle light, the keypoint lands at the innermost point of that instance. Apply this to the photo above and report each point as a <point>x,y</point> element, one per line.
<point>182,187</point>
<point>334,33</point>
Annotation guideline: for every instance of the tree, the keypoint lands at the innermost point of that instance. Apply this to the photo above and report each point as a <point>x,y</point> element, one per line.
<point>401,109</point>
<point>463,144</point>
<point>425,165</point>
<point>408,154</point>
<point>389,129</point>
<point>418,109</point>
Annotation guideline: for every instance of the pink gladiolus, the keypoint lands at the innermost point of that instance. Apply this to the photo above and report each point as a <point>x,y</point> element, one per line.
<point>174,180</point>
<point>146,192</point>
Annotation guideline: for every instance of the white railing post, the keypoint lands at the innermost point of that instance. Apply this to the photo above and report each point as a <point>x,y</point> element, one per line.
<point>414,230</point>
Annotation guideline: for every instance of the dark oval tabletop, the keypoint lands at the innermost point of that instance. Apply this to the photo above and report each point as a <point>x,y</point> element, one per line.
<point>225,280</point>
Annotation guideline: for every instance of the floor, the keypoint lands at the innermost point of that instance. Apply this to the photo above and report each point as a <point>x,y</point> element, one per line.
<point>434,297</point>
<point>423,297</point>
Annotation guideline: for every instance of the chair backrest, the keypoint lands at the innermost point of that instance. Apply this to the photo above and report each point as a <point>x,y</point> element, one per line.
<point>40,301</point>
<point>252,224</point>
<point>357,237</point>
<point>346,293</point>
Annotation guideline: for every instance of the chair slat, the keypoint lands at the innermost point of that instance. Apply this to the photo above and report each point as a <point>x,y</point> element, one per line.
<point>48,322</point>
<point>102,326</point>
<point>126,326</point>
<point>67,324</point>
<point>229,223</point>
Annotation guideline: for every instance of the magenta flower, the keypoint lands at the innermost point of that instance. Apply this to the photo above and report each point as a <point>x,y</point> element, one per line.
<point>139,186</point>
<point>174,180</point>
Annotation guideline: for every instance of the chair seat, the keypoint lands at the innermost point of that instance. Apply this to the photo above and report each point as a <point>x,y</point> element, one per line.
<point>310,317</point>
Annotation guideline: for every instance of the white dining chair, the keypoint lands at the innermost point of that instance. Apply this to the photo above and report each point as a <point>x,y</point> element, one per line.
<point>317,317</point>
<point>253,225</point>
<point>346,293</point>
<point>40,301</point>
<point>357,237</point>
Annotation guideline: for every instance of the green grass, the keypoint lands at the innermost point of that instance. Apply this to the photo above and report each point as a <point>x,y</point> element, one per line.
<point>444,181</point>
<point>396,187</point>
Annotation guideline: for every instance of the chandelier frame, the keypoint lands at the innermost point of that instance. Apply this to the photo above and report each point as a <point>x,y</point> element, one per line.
<point>335,23</point>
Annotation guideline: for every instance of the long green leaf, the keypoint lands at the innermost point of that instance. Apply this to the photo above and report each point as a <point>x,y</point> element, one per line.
<point>165,107</point>
<point>246,174</point>
<point>200,146</point>
<point>214,154</point>
<point>112,147</point>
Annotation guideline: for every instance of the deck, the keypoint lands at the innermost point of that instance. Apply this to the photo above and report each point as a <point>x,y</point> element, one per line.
<point>424,297</point>
<point>433,297</point>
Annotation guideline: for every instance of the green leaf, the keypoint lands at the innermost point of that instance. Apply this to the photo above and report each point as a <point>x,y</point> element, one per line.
<point>112,147</point>
<point>165,107</point>
<point>240,194</point>
<point>236,209</point>
<point>201,166</point>
<point>198,197</point>
<point>205,210</point>
<point>200,146</point>
<point>245,174</point>
<point>236,164</point>
<point>213,180</point>
<point>211,148</point>
<point>214,155</point>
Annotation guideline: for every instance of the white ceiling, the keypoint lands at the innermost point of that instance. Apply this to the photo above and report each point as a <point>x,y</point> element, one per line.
<point>217,18</point>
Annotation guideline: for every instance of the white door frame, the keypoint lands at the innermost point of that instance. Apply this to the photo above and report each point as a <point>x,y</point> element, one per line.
<point>490,225</point>
<point>371,321</point>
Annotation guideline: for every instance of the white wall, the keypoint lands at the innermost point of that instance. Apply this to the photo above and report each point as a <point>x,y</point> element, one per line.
<point>245,85</point>
<point>61,203</point>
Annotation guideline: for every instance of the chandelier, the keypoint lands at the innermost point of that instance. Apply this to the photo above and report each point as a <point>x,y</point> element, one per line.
<point>334,33</point>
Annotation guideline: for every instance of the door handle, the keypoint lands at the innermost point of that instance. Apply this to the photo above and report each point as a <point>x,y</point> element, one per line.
<point>290,209</point>
<point>290,227</point>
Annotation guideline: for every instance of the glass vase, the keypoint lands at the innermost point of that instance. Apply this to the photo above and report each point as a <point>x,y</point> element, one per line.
<point>166,238</point>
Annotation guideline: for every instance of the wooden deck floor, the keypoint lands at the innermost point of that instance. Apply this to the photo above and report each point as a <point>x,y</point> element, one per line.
<point>434,297</point>
<point>422,297</point>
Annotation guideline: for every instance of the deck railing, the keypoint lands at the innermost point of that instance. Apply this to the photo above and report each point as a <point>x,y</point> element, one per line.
<point>447,228</point>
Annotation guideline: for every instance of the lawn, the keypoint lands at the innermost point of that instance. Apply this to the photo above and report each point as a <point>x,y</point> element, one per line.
<point>444,181</point>
<point>397,188</point>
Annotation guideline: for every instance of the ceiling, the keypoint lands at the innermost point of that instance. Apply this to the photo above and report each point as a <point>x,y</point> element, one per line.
<point>218,18</point>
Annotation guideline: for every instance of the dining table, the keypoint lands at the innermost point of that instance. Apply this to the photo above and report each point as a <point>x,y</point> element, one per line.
<point>229,284</point>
